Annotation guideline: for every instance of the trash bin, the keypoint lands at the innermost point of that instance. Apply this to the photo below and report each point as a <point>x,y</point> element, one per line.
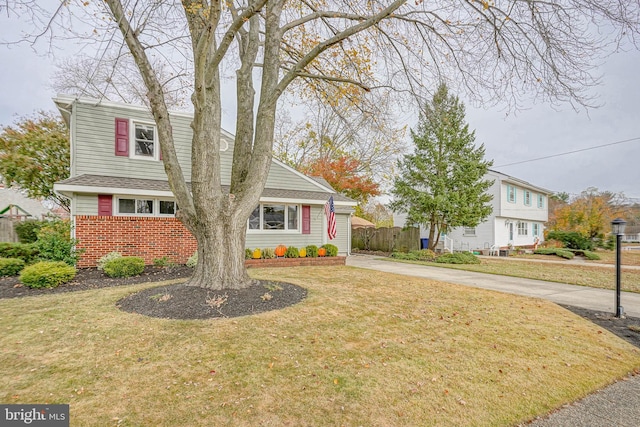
<point>424,243</point>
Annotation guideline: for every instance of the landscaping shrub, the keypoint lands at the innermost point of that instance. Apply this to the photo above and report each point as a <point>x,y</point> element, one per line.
<point>409,256</point>
<point>248,253</point>
<point>193,260</point>
<point>458,258</point>
<point>27,231</point>
<point>55,242</point>
<point>106,258</point>
<point>47,274</point>
<point>312,251</point>
<point>292,252</point>
<point>268,253</point>
<point>332,250</point>
<point>27,252</point>
<point>11,266</point>
<point>571,239</point>
<point>591,255</point>
<point>125,266</point>
<point>563,253</point>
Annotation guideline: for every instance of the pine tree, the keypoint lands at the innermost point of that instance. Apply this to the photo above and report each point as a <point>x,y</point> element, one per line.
<point>441,185</point>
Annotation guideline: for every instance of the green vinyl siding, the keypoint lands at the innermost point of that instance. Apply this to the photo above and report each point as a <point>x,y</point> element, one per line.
<point>94,149</point>
<point>86,204</point>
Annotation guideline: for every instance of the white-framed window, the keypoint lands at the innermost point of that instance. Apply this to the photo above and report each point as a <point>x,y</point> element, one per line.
<point>275,217</point>
<point>535,229</point>
<point>144,141</point>
<point>523,228</point>
<point>540,201</point>
<point>167,207</point>
<point>527,198</point>
<point>145,206</point>
<point>511,194</point>
<point>469,231</point>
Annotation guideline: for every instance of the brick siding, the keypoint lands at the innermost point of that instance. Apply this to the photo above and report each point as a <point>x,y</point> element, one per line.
<point>153,237</point>
<point>146,237</point>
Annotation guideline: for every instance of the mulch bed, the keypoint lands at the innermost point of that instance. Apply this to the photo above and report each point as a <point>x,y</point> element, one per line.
<point>188,302</point>
<point>181,302</point>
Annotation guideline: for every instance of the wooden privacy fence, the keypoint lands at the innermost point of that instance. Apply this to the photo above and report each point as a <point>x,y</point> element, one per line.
<point>386,239</point>
<point>7,233</point>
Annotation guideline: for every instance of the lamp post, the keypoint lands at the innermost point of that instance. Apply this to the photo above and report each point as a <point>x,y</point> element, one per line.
<point>617,226</point>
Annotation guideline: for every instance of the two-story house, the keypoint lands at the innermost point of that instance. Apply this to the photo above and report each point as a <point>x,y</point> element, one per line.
<point>121,201</point>
<point>520,210</point>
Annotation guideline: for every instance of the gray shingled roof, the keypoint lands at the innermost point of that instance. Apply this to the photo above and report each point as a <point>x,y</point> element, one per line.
<point>158,185</point>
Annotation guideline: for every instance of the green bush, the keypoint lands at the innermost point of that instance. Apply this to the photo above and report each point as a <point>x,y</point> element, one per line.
<point>458,258</point>
<point>125,266</point>
<point>193,260</point>
<point>11,266</point>
<point>268,253</point>
<point>27,231</point>
<point>248,253</point>
<point>292,252</point>
<point>571,239</point>
<point>591,255</point>
<point>312,251</point>
<point>27,252</point>
<point>563,253</point>
<point>332,250</point>
<point>47,274</point>
<point>106,258</point>
<point>409,256</point>
<point>55,242</point>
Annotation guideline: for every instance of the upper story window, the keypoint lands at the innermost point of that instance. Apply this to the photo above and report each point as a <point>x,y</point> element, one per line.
<point>523,228</point>
<point>275,217</point>
<point>137,139</point>
<point>527,198</point>
<point>144,141</point>
<point>511,194</point>
<point>540,201</point>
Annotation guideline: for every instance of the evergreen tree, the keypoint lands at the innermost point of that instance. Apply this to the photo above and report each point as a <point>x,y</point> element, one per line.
<point>441,185</point>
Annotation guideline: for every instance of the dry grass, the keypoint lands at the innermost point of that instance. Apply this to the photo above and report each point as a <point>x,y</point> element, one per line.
<point>365,348</point>
<point>629,257</point>
<point>574,274</point>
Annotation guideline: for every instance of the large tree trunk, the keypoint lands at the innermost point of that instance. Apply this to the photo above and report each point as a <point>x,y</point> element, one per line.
<point>221,248</point>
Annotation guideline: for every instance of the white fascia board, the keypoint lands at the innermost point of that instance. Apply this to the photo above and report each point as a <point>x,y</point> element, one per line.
<point>303,176</point>
<point>70,189</point>
<point>303,201</point>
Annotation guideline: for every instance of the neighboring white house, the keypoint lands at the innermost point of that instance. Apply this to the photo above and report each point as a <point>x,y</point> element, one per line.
<point>121,200</point>
<point>631,234</point>
<point>520,210</point>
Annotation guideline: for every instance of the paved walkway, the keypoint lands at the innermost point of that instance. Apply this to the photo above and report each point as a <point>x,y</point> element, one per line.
<point>615,406</point>
<point>561,293</point>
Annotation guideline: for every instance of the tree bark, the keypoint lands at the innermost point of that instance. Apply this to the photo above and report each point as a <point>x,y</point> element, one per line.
<point>221,249</point>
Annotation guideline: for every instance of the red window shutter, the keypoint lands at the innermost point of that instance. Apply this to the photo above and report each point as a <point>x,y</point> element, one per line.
<point>122,137</point>
<point>306,220</point>
<point>104,204</point>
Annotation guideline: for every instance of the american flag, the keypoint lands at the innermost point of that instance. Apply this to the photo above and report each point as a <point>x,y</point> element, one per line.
<point>331,218</point>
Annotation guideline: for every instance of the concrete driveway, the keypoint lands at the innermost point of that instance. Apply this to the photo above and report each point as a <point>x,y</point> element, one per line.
<point>561,293</point>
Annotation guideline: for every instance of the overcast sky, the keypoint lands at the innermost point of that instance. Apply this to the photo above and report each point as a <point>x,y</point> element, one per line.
<point>539,131</point>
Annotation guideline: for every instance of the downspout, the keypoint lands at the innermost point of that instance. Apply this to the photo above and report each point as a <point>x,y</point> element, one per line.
<point>349,234</point>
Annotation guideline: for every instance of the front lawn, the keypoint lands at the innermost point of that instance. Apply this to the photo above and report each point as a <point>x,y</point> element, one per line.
<point>364,348</point>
